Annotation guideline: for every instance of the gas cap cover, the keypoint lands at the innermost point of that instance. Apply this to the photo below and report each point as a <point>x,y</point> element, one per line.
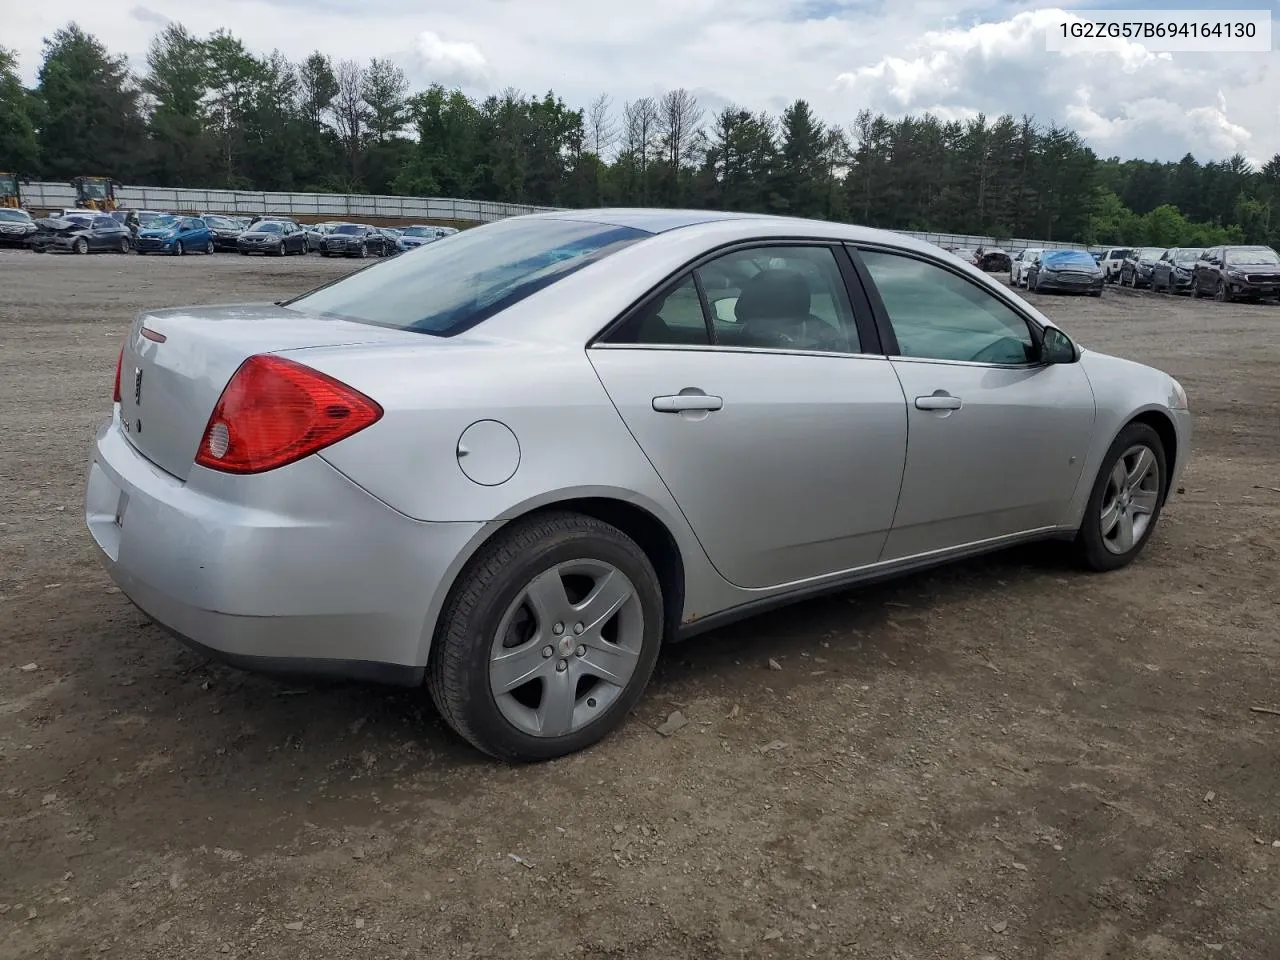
<point>488,453</point>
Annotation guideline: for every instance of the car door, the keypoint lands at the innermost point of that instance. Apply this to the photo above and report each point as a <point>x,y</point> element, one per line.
<point>1206,272</point>
<point>996,439</point>
<point>764,402</point>
<point>101,233</point>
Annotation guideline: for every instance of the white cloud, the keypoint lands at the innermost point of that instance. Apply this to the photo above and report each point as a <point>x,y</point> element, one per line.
<point>957,58</point>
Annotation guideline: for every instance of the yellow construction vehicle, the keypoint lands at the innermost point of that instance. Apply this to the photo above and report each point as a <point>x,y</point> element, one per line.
<point>95,193</point>
<point>10,193</point>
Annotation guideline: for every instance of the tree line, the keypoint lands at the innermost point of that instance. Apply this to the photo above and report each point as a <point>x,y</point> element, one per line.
<point>209,112</point>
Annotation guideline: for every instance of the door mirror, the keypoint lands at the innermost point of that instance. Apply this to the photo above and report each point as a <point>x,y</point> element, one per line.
<point>1056,347</point>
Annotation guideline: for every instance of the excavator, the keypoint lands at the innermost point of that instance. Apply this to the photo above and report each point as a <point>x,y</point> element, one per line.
<point>95,193</point>
<point>10,192</point>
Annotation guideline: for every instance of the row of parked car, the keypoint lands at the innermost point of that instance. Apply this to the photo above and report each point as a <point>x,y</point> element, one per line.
<point>151,231</point>
<point>1225,273</point>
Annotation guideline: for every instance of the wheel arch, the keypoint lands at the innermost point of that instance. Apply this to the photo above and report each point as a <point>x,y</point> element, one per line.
<point>641,524</point>
<point>1162,424</point>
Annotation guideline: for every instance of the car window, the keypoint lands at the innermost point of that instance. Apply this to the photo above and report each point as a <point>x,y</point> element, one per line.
<point>939,315</point>
<point>104,223</point>
<point>445,288</point>
<point>666,320</point>
<point>781,298</point>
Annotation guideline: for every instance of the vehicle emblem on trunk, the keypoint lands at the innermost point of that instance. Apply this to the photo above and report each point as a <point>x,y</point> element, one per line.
<point>137,386</point>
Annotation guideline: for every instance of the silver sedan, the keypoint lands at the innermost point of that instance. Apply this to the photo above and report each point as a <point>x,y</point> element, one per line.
<point>513,463</point>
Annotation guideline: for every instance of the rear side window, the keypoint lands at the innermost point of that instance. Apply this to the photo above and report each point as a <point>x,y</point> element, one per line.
<point>451,285</point>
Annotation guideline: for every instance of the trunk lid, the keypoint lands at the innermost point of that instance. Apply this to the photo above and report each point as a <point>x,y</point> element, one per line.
<point>177,362</point>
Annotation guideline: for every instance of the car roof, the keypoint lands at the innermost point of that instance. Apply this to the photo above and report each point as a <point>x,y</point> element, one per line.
<point>734,226</point>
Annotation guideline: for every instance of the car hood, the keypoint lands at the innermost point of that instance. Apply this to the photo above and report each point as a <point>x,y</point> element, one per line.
<point>56,225</point>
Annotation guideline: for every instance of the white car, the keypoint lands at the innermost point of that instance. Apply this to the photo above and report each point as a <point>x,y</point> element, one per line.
<point>1018,267</point>
<point>1111,262</point>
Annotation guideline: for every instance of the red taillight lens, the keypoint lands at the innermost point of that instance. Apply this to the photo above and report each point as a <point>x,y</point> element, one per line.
<point>275,411</point>
<point>115,395</point>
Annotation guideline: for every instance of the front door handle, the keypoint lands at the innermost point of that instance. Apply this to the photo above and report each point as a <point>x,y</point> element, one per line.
<point>681,402</point>
<point>938,402</point>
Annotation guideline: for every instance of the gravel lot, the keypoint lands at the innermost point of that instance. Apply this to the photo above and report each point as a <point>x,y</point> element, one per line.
<point>1006,758</point>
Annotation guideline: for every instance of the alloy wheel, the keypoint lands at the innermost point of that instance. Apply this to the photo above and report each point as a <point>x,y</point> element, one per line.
<point>566,648</point>
<point>1130,499</point>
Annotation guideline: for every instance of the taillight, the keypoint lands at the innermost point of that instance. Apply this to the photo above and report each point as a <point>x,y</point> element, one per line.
<point>115,395</point>
<point>275,411</point>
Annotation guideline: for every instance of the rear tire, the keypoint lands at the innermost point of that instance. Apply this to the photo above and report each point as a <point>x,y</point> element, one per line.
<point>490,610</point>
<point>1111,506</point>
<point>208,248</point>
<point>124,245</point>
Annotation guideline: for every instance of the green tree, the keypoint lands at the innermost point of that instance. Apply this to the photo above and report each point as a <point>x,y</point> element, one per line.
<point>182,153</point>
<point>90,123</point>
<point>19,149</point>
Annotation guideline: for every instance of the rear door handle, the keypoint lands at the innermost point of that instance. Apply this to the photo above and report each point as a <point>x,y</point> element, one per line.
<point>687,401</point>
<point>936,402</point>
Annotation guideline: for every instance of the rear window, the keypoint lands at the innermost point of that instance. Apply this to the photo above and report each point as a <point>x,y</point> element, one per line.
<point>449,286</point>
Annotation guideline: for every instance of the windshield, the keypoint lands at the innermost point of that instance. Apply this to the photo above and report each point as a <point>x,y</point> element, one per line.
<point>1062,258</point>
<point>348,228</point>
<point>267,226</point>
<point>450,286</point>
<point>97,191</point>
<point>1252,256</point>
<point>1150,253</point>
<point>221,223</point>
<point>1186,254</point>
<point>159,222</point>
<point>13,215</point>
<point>420,232</point>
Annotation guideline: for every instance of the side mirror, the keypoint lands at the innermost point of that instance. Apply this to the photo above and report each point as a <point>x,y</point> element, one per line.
<point>1056,347</point>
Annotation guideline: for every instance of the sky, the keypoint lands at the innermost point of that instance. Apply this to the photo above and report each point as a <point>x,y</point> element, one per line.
<point>955,58</point>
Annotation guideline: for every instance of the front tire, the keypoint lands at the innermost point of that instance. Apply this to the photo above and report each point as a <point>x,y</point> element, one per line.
<point>81,246</point>
<point>124,245</point>
<point>1126,500</point>
<point>547,639</point>
<point>208,248</point>
<point>178,249</point>
<point>1221,293</point>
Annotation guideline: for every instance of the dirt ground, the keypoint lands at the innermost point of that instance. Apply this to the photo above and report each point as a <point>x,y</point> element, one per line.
<point>1006,758</point>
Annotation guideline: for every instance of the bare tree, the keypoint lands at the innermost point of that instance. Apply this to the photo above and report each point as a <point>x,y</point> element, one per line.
<point>679,122</point>
<point>602,128</point>
<point>640,118</point>
<point>350,112</point>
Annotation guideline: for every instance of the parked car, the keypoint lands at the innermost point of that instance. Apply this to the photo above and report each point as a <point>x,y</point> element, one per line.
<point>174,235</point>
<point>96,233</point>
<point>355,240</point>
<point>1172,272</point>
<point>419,234</point>
<point>1019,264</point>
<point>1237,273</point>
<point>992,261</point>
<point>396,238</point>
<point>16,227</point>
<point>1062,271</point>
<point>1136,268</point>
<point>384,477</point>
<point>278,237</point>
<point>226,232</point>
<point>317,231</point>
<point>1111,262</point>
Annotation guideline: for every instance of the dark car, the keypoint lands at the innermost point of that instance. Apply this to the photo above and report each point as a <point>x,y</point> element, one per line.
<point>992,261</point>
<point>1237,273</point>
<point>1172,272</point>
<point>356,240</point>
<point>1073,271</point>
<point>81,234</point>
<point>277,237</point>
<point>16,227</point>
<point>1135,270</point>
<point>225,231</point>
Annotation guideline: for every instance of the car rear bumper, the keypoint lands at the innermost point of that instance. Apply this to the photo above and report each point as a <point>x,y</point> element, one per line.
<point>303,572</point>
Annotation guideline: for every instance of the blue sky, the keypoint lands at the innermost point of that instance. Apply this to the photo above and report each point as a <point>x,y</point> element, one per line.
<point>956,58</point>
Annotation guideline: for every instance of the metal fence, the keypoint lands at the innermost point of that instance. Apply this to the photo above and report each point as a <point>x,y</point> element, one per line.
<point>346,206</point>
<point>337,205</point>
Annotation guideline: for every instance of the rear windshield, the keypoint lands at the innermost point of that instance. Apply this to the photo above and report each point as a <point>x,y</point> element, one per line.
<point>449,286</point>
<point>1119,253</point>
<point>1242,256</point>
<point>222,223</point>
